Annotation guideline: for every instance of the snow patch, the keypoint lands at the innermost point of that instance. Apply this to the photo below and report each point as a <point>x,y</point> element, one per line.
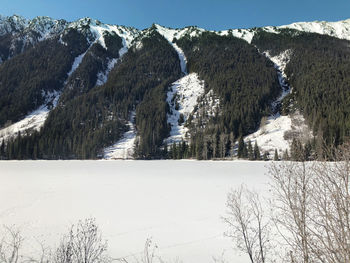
<point>182,98</point>
<point>124,148</point>
<point>103,76</point>
<point>33,121</point>
<point>245,34</point>
<point>270,135</point>
<point>77,62</point>
<point>278,132</point>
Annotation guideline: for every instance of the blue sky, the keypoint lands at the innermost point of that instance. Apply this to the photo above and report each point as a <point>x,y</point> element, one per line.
<point>209,14</point>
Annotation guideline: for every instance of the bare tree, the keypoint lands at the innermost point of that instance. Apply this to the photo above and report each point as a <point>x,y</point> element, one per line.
<point>10,245</point>
<point>249,227</point>
<point>291,201</point>
<point>330,204</point>
<point>312,205</point>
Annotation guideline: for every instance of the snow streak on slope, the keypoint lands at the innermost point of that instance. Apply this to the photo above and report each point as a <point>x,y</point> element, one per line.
<point>124,148</point>
<point>270,135</point>
<point>33,121</point>
<point>277,132</point>
<point>102,76</point>
<point>76,63</point>
<point>170,35</point>
<point>280,62</point>
<point>182,99</point>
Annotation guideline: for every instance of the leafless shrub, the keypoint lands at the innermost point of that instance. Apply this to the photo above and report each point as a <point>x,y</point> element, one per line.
<point>83,244</point>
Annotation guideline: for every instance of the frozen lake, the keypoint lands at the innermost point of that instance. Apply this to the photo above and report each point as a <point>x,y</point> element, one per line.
<point>178,204</point>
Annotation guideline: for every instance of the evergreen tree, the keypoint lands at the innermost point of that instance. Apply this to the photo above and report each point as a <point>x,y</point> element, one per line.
<point>275,157</point>
<point>257,155</point>
<point>241,148</point>
<point>250,151</point>
<point>266,156</point>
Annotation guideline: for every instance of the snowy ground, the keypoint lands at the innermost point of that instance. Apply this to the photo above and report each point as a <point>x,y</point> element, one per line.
<point>124,148</point>
<point>177,203</point>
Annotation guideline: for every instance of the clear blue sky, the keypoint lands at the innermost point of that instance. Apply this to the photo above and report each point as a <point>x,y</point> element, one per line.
<point>209,14</point>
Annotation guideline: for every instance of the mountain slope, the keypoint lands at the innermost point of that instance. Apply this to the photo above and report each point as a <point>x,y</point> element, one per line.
<point>68,89</point>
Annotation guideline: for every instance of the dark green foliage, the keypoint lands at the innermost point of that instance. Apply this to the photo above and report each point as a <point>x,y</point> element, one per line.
<point>250,151</point>
<point>151,123</point>
<point>242,151</point>
<point>27,77</point>
<point>256,152</point>
<point>319,72</point>
<point>179,150</point>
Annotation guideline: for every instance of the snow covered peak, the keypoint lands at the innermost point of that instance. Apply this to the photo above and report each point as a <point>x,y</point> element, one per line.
<point>95,30</point>
<point>12,24</point>
<point>340,29</point>
<point>170,34</point>
<point>46,27</point>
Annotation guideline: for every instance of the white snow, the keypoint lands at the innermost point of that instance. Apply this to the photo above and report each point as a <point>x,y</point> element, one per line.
<point>124,148</point>
<point>179,204</point>
<point>103,76</point>
<point>33,121</point>
<point>340,29</point>
<point>77,62</point>
<point>271,135</point>
<point>245,34</point>
<point>185,92</point>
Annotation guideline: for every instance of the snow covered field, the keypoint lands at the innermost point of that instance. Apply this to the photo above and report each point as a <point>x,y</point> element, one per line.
<point>178,204</point>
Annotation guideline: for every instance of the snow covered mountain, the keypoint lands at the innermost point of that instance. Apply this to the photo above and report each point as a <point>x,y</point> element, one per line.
<point>210,88</point>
